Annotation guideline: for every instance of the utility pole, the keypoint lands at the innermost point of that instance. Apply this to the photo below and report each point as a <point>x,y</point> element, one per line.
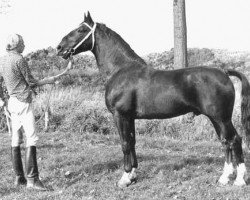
<point>180,34</point>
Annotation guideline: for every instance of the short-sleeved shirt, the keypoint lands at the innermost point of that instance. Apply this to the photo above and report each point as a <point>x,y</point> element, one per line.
<point>17,76</point>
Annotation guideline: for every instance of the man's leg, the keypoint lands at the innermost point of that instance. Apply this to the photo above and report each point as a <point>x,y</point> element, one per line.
<point>16,156</point>
<point>28,122</point>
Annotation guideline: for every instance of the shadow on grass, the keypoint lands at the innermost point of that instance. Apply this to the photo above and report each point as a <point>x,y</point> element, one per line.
<point>51,146</point>
<point>5,191</point>
<point>174,163</point>
<point>96,169</point>
<point>154,167</point>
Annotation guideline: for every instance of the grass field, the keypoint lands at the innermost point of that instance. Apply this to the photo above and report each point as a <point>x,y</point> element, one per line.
<point>87,166</point>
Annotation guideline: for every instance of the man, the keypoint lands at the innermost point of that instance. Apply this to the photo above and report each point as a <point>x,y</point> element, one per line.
<point>20,84</point>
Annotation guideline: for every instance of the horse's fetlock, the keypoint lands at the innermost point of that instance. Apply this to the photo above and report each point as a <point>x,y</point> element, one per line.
<point>128,168</point>
<point>236,142</point>
<point>125,147</point>
<point>225,143</point>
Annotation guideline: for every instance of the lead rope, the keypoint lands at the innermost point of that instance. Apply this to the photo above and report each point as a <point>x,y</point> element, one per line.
<point>47,104</point>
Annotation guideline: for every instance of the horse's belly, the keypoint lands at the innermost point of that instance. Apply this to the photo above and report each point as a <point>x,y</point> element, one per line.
<point>160,107</point>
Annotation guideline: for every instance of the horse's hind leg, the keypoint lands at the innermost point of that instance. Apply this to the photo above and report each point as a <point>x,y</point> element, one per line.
<point>125,126</point>
<point>223,134</point>
<point>239,159</point>
<point>235,143</point>
<point>231,142</point>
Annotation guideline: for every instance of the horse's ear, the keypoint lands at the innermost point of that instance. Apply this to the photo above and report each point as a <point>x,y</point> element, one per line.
<point>89,19</point>
<point>85,16</point>
<point>88,14</point>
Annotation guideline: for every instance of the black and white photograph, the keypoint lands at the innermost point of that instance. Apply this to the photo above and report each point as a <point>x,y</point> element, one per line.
<point>124,100</point>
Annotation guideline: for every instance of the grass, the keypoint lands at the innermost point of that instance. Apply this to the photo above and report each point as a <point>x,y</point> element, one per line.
<point>87,166</point>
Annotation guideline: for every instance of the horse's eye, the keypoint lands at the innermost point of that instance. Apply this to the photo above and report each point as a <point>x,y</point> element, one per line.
<point>59,47</point>
<point>80,30</point>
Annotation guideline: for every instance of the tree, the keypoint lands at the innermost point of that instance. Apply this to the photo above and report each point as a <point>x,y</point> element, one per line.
<point>4,6</point>
<point>180,34</point>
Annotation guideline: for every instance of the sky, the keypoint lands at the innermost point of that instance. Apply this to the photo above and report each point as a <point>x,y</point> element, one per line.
<point>146,25</point>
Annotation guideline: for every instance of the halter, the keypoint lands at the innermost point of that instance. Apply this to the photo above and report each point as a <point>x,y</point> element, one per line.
<point>92,31</point>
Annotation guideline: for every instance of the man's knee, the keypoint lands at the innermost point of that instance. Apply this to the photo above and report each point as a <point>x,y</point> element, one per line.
<point>17,138</point>
<point>32,140</point>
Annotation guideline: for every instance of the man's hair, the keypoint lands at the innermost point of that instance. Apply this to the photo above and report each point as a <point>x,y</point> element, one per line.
<point>13,41</point>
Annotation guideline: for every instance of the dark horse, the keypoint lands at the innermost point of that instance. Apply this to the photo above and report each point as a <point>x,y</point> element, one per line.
<point>136,91</point>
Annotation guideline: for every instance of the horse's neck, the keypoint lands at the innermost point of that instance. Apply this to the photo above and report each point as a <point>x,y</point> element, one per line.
<point>112,52</point>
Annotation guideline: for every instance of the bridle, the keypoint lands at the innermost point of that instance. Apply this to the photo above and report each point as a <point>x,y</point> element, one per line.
<point>92,31</point>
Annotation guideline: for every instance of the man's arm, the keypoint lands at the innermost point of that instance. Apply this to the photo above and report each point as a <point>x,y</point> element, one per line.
<point>49,80</point>
<point>25,70</point>
<point>53,79</point>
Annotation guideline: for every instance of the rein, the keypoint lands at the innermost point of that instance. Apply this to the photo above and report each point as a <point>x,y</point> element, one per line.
<point>47,104</point>
<point>92,31</point>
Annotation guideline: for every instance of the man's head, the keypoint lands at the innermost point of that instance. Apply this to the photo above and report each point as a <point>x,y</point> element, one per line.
<point>15,43</point>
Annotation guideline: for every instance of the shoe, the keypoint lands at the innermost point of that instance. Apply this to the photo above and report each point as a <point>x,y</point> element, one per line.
<point>18,166</point>
<point>33,181</point>
<point>36,184</point>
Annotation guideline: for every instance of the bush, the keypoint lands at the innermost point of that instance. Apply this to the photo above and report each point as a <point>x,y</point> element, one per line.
<point>197,57</point>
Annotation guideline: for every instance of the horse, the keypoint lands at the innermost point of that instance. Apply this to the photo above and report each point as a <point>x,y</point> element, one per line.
<point>135,90</point>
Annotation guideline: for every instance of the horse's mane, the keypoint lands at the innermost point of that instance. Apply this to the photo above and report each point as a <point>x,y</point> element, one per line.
<point>129,52</point>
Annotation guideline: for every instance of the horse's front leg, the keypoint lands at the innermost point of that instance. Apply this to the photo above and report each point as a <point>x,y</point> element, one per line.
<point>124,125</point>
<point>133,157</point>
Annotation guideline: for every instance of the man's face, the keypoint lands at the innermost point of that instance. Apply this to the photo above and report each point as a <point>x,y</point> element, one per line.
<point>20,46</point>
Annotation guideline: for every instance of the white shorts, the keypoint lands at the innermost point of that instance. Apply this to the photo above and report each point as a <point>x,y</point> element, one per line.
<point>22,116</point>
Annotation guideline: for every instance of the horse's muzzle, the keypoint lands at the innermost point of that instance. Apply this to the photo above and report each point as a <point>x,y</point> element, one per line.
<point>64,54</point>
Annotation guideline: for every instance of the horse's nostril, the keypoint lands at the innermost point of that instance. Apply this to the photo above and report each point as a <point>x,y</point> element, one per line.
<point>59,47</point>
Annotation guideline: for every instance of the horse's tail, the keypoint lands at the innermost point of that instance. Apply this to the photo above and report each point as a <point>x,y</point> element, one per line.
<point>245,104</point>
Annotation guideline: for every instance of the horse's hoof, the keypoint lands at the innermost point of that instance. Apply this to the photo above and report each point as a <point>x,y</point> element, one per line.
<point>239,182</point>
<point>127,179</point>
<point>123,185</point>
<point>223,181</point>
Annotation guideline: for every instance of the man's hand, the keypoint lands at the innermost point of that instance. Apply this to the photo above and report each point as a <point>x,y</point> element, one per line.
<point>70,63</point>
<point>1,103</point>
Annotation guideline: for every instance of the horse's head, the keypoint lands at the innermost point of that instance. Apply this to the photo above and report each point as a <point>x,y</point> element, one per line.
<point>79,40</point>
